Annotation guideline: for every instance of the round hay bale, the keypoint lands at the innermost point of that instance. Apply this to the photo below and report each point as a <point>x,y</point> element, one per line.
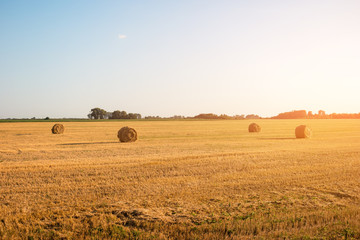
<point>253,127</point>
<point>127,134</point>
<point>58,129</point>
<point>303,131</point>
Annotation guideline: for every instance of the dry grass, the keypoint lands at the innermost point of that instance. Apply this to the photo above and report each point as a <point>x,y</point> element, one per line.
<point>180,180</point>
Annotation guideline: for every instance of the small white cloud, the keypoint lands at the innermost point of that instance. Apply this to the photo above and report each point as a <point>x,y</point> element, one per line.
<point>122,36</point>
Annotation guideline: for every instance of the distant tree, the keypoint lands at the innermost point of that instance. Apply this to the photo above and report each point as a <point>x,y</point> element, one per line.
<point>207,116</point>
<point>153,117</point>
<point>134,116</point>
<point>98,113</point>
<point>47,118</point>
<point>239,116</point>
<point>123,115</point>
<point>310,114</point>
<point>116,115</point>
<point>321,114</point>
<point>252,116</point>
<point>131,116</point>
<point>224,116</point>
<point>177,117</point>
<point>119,115</point>
<point>299,114</point>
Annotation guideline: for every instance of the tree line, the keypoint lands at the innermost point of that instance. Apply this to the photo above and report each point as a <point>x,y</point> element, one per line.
<point>303,114</point>
<point>224,116</point>
<point>98,113</point>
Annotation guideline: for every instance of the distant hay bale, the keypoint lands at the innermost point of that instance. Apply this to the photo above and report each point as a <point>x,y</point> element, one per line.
<point>253,127</point>
<point>303,131</point>
<point>58,129</point>
<point>127,134</point>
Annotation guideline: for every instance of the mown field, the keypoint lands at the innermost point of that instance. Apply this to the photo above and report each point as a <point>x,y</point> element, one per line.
<point>180,180</point>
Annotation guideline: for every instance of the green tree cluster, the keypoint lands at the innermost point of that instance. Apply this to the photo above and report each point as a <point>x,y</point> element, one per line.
<point>98,113</point>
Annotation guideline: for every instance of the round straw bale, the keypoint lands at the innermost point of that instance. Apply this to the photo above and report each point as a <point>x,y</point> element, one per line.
<point>58,129</point>
<point>127,134</point>
<point>303,131</point>
<point>253,127</point>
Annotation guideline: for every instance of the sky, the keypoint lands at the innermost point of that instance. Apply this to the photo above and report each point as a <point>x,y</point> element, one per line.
<point>160,57</point>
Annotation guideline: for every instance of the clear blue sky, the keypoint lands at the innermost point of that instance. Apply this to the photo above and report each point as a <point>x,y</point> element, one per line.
<point>62,58</point>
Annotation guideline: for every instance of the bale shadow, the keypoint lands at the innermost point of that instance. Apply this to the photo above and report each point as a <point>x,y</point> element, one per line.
<point>86,143</point>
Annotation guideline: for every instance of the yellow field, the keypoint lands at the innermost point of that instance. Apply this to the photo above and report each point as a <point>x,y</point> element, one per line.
<point>180,180</point>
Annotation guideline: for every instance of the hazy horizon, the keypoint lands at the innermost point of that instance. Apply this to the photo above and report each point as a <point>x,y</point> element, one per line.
<point>201,113</point>
<point>62,58</point>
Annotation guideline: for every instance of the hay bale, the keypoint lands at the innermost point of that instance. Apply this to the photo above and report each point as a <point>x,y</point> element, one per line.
<point>127,134</point>
<point>303,131</point>
<point>253,127</point>
<point>58,129</point>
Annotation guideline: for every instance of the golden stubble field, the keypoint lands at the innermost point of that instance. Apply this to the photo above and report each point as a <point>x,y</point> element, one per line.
<point>180,180</point>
